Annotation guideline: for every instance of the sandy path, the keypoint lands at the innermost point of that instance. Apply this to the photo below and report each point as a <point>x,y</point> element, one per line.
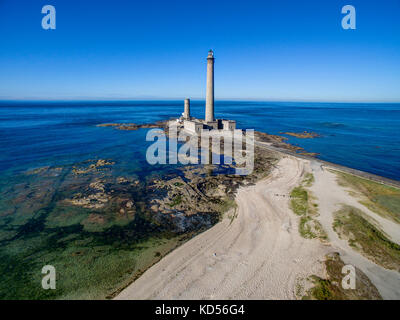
<point>258,255</point>
<point>330,196</point>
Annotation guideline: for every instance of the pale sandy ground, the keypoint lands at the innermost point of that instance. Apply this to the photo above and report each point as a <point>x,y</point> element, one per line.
<point>260,254</point>
<point>257,256</point>
<point>330,196</point>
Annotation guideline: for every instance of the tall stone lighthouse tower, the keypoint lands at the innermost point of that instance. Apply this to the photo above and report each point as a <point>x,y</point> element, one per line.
<point>210,88</point>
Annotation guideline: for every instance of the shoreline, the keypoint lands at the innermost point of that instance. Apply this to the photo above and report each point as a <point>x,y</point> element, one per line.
<point>196,255</point>
<point>339,167</point>
<point>152,217</point>
<point>277,143</point>
<point>233,251</point>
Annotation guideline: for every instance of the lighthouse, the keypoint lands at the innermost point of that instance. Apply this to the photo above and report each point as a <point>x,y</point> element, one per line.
<point>196,126</point>
<point>210,88</point>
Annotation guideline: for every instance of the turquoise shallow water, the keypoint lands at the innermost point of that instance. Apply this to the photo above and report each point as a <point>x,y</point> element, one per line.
<point>34,134</point>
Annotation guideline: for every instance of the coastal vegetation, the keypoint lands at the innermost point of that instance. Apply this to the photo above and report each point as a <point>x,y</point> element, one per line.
<point>308,179</point>
<point>362,234</point>
<point>102,227</point>
<point>330,287</point>
<point>379,198</point>
<point>302,203</point>
<point>299,201</point>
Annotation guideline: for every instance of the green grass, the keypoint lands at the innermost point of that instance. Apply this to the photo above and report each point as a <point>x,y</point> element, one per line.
<point>323,289</point>
<point>305,229</point>
<point>310,228</point>
<point>331,287</point>
<point>390,202</point>
<point>302,204</point>
<point>351,224</point>
<point>299,200</point>
<point>382,199</point>
<point>308,180</point>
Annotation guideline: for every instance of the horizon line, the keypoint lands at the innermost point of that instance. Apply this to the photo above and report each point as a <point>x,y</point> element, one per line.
<point>93,99</point>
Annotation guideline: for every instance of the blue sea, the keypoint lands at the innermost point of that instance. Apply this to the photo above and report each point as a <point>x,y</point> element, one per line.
<point>35,134</point>
<point>98,250</point>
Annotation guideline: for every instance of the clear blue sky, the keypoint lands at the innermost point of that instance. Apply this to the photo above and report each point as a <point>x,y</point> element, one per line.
<point>265,50</point>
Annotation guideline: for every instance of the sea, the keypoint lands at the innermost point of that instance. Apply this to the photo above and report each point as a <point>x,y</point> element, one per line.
<point>96,251</point>
<point>363,136</point>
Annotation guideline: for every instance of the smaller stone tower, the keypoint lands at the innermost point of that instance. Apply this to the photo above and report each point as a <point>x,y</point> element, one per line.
<point>186,112</point>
